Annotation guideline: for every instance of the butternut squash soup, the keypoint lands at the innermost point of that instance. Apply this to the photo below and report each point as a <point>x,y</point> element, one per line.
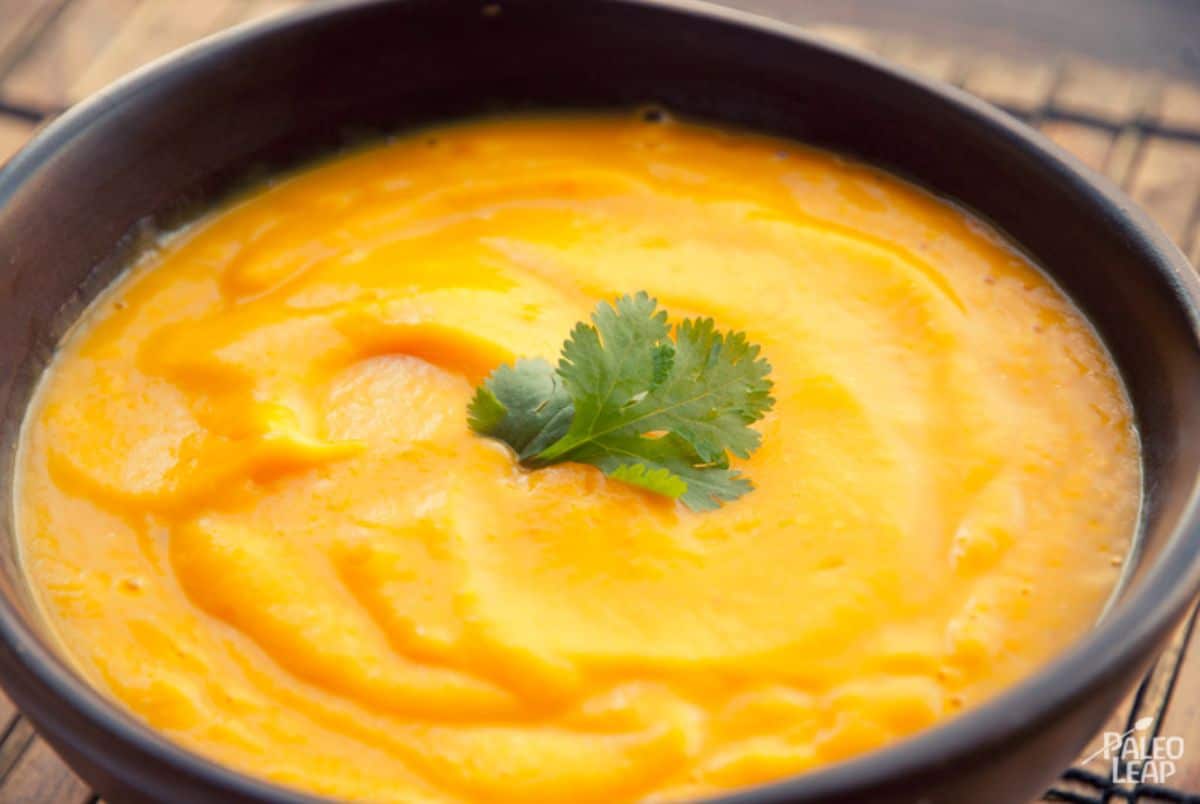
<point>253,509</point>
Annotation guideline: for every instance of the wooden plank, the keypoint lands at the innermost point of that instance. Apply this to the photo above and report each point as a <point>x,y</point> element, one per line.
<point>1161,685</point>
<point>932,60</point>
<point>16,740</point>
<point>1090,144</point>
<point>19,21</point>
<point>1123,157</point>
<point>1093,751</point>
<point>1179,106</point>
<point>1102,91</point>
<point>42,79</point>
<point>1113,155</point>
<point>858,39</point>
<point>12,739</point>
<point>1167,182</point>
<point>1022,86</point>
<point>155,28</point>
<point>1182,718</point>
<point>14,131</point>
<point>258,9</point>
<point>40,777</point>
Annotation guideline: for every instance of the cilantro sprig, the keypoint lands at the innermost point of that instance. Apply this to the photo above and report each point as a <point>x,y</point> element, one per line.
<point>660,412</point>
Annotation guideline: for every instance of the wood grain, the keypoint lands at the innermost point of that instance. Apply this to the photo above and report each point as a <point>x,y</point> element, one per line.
<point>20,21</point>
<point>1022,86</point>
<point>43,78</point>
<point>1090,144</point>
<point>852,38</point>
<point>1123,158</point>
<point>1167,183</point>
<point>258,9</point>
<point>16,740</point>
<point>1179,107</point>
<point>929,59</point>
<point>39,777</point>
<point>155,28</point>
<point>1182,716</point>
<point>1102,91</point>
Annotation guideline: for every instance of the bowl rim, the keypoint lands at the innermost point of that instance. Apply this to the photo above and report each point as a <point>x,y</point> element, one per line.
<point>1132,626</point>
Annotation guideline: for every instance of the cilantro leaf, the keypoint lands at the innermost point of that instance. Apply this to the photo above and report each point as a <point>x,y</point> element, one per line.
<point>666,463</point>
<point>661,480</point>
<point>524,405</point>
<point>660,413</point>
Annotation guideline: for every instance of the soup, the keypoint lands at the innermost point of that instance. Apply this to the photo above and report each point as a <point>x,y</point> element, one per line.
<point>252,508</point>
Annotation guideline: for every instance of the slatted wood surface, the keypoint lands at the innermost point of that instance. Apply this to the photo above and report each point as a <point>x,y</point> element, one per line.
<point>1141,130</point>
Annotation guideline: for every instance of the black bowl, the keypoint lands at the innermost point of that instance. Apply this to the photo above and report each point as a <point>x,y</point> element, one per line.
<point>153,147</point>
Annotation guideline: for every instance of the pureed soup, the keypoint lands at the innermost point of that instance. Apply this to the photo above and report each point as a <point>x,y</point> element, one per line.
<point>253,509</point>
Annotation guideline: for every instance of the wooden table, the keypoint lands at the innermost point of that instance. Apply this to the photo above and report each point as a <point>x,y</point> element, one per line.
<point>1141,130</point>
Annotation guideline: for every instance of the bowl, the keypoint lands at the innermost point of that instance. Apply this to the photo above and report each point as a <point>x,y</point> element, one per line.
<point>146,153</point>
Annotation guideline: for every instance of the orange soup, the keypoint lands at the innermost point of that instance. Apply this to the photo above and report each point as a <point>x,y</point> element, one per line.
<point>252,508</point>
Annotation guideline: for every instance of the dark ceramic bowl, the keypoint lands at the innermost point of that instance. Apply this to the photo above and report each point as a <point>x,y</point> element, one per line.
<point>183,131</point>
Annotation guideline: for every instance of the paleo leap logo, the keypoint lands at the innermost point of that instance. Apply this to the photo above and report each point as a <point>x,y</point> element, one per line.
<point>1136,757</point>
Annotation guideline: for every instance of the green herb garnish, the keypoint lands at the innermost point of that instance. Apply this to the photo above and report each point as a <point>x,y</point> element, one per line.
<point>658,412</point>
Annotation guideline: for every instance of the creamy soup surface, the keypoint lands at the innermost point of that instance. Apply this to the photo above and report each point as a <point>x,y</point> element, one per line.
<point>252,508</point>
